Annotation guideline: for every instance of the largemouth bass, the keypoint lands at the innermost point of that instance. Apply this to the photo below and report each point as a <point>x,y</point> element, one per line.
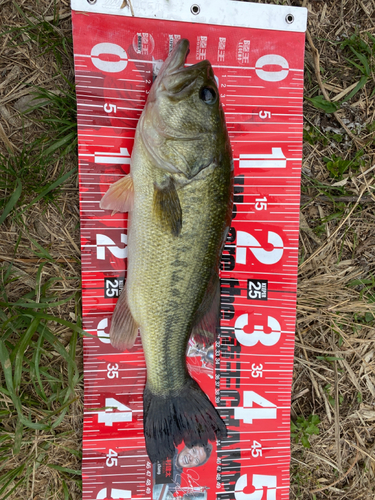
<point>179,195</point>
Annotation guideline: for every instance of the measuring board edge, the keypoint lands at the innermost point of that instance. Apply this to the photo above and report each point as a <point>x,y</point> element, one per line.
<point>217,12</point>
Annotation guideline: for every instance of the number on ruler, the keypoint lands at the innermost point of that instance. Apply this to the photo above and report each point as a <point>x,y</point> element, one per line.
<point>112,49</point>
<point>269,257</point>
<point>247,413</point>
<point>112,458</point>
<point>264,114</point>
<point>274,60</point>
<point>258,335</point>
<point>256,370</point>
<point>113,493</point>
<point>108,417</point>
<point>108,108</point>
<point>112,371</point>
<point>111,287</point>
<point>255,290</point>
<point>256,449</point>
<point>260,481</point>
<point>103,242</point>
<point>276,159</point>
<point>261,203</point>
<point>102,335</point>
<point>121,158</point>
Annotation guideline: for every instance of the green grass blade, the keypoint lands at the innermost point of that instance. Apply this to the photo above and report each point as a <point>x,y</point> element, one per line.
<point>7,367</point>
<point>43,252</point>
<point>8,477</point>
<point>65,469</point>
<point>36,359</point>
<point>21,348</point>
<point>362,82</point>
<point>51,187</point>
<point>65,141</point>
<point>18,437</point>
<point>12,201</point>
<point>65,490</point>
<point>35,305</point>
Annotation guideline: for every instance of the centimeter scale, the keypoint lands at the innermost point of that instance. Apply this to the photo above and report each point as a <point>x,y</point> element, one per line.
<point>257,55</point>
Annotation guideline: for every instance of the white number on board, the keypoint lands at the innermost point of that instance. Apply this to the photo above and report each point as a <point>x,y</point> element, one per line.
<point>112,370</point>
<point>102,335</point>
<point>269,257</point>
<point>272,60</point>
<point>108,417</point>
<point>113,493</point>
<point>258,335</point>
<point>103,242</point>
<point>259,481</point>
<point>112,458</point>
<point>256,449</point>
<point>276,159</point>
<point>256,370</point>
<point>247,413</point>
<point>264,114</point>
<point>261,203</point>
<point>100,50</point>
<point>108,108</point>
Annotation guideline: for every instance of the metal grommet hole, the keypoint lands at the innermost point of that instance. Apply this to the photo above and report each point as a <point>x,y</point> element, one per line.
<point>289,18</point>
<point>195,9</point>
<point>91,2</point>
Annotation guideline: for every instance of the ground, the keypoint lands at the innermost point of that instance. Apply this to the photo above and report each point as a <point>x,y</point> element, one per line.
<point>41,388</point>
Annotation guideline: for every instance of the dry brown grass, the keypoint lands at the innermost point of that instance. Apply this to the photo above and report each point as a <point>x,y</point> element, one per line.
<point>335,341</point>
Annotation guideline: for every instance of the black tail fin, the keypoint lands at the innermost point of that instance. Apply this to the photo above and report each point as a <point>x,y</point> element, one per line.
<point>188,416</point>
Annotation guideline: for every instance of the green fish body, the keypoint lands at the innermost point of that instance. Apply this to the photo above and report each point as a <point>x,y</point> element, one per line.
<point>179,195</point>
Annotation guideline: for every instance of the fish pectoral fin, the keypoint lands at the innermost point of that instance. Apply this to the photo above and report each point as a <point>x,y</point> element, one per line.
<point>207,319</point>
<point>167,206</point>
<point>120,196</point>
<point>124,329</point>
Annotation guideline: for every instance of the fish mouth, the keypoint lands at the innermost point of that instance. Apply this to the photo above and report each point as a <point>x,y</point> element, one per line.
<point>177,57</point>
<point>174,77</point>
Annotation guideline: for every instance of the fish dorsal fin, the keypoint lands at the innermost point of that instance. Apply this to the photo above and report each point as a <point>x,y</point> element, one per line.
<point>120,196</point>
<point>167,206</point>
<point>124,329</point>
<point>208,315</point>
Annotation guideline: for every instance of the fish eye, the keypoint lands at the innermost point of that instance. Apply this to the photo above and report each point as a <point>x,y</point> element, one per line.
<point>208,95</point>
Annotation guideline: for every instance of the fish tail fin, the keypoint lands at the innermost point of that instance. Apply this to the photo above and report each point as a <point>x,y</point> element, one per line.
<point>188,416</point>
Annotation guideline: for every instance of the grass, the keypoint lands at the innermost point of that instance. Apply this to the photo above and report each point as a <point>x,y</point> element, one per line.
<point>40,319</point>
<point>41,394</point>
<point>40,378</point>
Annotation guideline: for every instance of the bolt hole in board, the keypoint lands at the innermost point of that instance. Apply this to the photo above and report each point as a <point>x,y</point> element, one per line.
<point>257,55</point>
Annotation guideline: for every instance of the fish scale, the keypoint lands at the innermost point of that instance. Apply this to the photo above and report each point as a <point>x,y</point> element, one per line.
<point>180,277</point>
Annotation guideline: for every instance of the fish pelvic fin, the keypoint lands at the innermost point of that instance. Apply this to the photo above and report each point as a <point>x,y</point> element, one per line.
<point>124,329</point>
<point>207,319</point>
<point>188,417</point>
<point>167,206</point>
<point>120,196</point>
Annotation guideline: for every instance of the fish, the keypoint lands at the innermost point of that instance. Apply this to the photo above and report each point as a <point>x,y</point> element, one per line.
<point>179,195</point>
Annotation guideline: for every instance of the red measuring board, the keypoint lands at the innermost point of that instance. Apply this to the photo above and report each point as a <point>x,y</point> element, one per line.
<point>257,55</point>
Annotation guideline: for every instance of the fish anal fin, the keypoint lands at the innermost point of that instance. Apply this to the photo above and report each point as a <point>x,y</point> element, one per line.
<point>167,206</point>
<point>120,196</point>
<point>207,318</point>
<point>124,329</point>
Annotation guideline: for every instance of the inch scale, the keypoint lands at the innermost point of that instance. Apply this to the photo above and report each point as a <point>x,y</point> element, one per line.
<point>247,373</point>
